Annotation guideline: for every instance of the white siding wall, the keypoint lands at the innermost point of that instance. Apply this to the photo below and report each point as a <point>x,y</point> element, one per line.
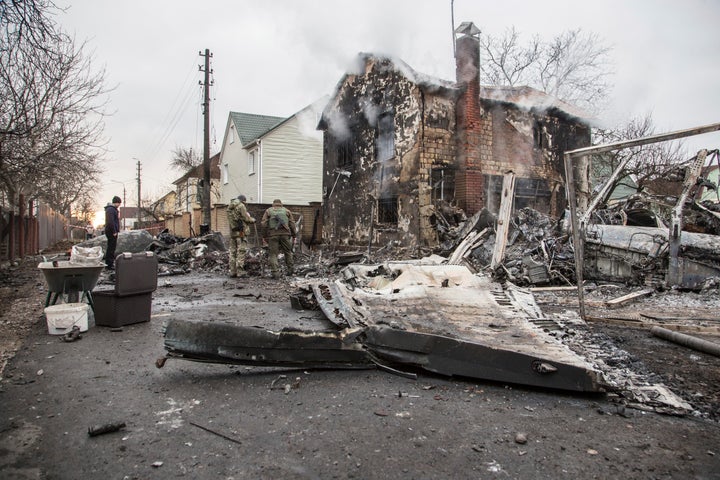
<point>291,165</point>
<point>238,179</point>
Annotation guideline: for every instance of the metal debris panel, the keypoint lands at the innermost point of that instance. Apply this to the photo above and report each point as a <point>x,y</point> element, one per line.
<point>444,319</point>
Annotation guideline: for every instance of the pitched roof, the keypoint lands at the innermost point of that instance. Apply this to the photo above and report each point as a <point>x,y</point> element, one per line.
<point>531,99</point>
<point>526,98</point>
<point>250,126</point>
<point>198,170</point>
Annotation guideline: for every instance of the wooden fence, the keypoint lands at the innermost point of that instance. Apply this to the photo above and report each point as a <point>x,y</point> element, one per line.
<point>35,227</point>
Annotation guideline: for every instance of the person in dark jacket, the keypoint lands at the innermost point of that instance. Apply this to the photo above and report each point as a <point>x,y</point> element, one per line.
<point>112,228</point>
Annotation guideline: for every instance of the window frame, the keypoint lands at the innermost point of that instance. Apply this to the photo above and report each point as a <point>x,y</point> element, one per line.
<point>252,161</point>
<point>385,137</point>
<point>388,210</point>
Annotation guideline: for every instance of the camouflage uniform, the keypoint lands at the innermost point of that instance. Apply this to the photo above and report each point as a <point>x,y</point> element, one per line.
<point>238,218</point>
<point>278,237</point>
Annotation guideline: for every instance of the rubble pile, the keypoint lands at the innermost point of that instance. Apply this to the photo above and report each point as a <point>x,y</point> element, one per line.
<point>538,250</point>
<point>205,253</point>
<point>626,243</point>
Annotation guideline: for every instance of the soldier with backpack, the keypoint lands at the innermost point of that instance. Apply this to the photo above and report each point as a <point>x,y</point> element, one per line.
<point>238,216</point>
<point>279,228</point>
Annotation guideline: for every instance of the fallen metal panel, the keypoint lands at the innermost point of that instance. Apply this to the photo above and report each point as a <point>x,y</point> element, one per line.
<point>440,318</point>
<point>619,253</point>
<point>446,320</point>
<point>455,357</point>
<point>235,344</point>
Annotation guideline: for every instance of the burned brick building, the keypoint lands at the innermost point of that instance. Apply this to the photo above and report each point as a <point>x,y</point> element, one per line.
<point>399,144</point>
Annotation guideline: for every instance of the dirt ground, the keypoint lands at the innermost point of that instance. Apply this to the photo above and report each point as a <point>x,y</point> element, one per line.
<point>211,421</point>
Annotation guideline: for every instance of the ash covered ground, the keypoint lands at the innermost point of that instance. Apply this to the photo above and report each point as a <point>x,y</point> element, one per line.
<point>342,424</point>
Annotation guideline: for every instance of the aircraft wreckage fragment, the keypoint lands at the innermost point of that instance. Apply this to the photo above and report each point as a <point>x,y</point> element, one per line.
<point>439,318</point>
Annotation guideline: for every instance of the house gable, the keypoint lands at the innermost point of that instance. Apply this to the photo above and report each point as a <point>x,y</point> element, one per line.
<point>447,148</point>
<point>265,157</point>
<point>386,128</point>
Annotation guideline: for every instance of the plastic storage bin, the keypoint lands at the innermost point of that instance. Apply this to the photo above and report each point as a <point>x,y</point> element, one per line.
<point>62,318</point>
<point>135,273</point>
<point>114,311</point>
<point>131,299</point>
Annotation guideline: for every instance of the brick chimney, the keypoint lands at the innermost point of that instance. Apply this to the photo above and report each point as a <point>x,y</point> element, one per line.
<point>469,181</point>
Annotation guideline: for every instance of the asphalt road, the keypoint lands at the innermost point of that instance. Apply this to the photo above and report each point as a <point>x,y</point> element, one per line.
<point>209,421</point>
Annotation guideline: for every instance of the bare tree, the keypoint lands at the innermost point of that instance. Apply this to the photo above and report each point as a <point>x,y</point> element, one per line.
<point>66,191</point>
<point>27,21</point>
<point>185,159</point>
<point>647,163</point>
<point>51,108</point>
<point>85,207</point>
<point>505,62</point>
<point>574,66</point>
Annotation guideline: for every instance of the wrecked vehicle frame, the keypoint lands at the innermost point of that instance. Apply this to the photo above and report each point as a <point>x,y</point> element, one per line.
<point>580,214</point>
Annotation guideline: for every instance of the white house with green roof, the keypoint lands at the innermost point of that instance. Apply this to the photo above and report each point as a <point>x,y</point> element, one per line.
<point>265,157</point>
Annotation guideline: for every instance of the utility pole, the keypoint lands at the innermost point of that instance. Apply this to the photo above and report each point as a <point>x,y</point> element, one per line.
<point>139,215</point>
<point>205,227</point>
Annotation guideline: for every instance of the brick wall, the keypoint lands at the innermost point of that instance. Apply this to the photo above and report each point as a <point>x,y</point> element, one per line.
<point>179,225</point>
<point>470,147</point>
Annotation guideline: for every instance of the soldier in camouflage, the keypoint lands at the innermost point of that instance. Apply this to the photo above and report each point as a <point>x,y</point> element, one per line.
<point>238,218</point>
<point>279,227</point>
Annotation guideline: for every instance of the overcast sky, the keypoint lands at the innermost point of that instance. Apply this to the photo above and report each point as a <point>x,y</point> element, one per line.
<point>274,57</point>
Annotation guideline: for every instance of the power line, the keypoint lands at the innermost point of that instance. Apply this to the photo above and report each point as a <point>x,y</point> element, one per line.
<point>174,113</point>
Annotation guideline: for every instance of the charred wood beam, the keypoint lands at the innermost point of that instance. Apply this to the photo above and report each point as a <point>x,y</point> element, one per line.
<point>503,221</point>
<point>467,245</point>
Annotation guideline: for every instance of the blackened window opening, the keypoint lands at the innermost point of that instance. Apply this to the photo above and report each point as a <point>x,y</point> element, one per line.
<point>385,142</point>
<point>539,136</point>
<point>442,181</point>
<point>387,210</point>
<point>529,193</point>
<point>345,154</point>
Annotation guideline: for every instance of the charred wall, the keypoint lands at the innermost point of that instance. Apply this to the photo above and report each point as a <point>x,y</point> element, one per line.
<point>386,139</point>
<point>531,144</point>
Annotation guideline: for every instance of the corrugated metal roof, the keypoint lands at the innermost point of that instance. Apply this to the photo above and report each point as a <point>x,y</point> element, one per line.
<point>250,126</point>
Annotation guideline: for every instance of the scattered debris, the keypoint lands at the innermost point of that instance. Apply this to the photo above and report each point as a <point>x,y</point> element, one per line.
<point>106,428</point>
<point>688,341</point>
<point>226,437</point>
<point>72,335</point>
